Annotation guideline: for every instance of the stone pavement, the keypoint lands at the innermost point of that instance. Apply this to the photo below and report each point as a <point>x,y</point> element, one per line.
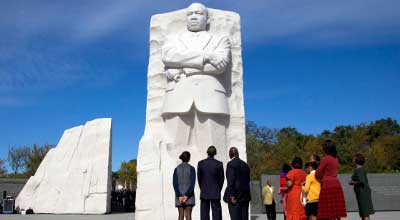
<point>350,216</point>
<point>130,216</point>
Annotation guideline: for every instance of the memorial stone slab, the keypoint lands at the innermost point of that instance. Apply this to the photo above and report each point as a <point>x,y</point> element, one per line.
<point>75,176</point>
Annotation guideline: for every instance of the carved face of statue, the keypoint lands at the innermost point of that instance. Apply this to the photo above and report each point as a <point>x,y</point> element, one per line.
<point>196,17</point>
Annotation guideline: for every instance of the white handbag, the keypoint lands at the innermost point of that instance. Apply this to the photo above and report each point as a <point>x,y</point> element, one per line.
<point>303,199</point>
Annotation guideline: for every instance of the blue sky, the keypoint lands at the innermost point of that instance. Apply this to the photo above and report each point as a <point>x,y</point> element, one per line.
<point>307,64</point>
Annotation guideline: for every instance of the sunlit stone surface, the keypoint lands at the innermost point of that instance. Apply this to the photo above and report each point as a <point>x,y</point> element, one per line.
<point>203,106</point>
<point>74,177</point>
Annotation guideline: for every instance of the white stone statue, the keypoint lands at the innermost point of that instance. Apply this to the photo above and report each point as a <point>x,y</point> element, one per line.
<point>195,107</point>
<point>195,99</point>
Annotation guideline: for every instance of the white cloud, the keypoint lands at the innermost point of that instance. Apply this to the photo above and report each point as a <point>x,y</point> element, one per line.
<point>12,101</point>
<point>48,44</point>
<point>311,22</point>
<point>34,68</point>
<point>42,40</point>
<point>345,20</point>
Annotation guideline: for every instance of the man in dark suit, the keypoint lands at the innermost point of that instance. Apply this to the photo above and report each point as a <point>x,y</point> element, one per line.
<point>210,175</point>
<point>237,193</point>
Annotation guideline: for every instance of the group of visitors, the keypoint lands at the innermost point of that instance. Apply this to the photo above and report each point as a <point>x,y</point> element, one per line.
<point>123,200</point>
<point>210,176</point>
<point>310,193</point>
<point>316,193</point>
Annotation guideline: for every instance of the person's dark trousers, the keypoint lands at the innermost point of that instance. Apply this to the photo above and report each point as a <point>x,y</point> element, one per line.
<point>215,207</point>
<point>233,211</point>
<point>240,211</point>
<point>271,211</point>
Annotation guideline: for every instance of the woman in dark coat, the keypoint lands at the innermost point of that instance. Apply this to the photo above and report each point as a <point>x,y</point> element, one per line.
<point>184,180</point>
<point>361,187</point>
<point>331,204</point>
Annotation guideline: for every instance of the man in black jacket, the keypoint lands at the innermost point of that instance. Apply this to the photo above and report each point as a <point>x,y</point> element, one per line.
<point>210,175</point>
<point>237,193</point>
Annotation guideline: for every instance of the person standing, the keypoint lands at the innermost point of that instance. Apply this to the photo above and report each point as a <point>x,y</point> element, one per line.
<point>237,193</point>
<point>210,176</point>
<point>269,202</point>
<point>316,158</point>
<point>312,188</point>
<point>184,179</point>
<point>283,187</point>
<point>295,178</point>
<point>331,203</point>
<point>361,188</point>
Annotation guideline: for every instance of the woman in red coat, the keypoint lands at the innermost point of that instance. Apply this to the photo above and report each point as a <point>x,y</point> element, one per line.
<point>331,203</point>
<point>295,178</point>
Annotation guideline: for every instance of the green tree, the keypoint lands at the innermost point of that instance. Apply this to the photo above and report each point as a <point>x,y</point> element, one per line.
<point>259,140</point>
<point>379,141</point>
<point>290,144</point>
<point>127,174</point>
<point>3,170</point>
<point>256,156</point>
<point>17,157</point>
<point>36,155</point>
<point>383,127</point>
<point>384,155</point>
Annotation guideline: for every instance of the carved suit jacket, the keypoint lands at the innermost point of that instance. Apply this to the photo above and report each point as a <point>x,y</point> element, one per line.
<point>200,85</point>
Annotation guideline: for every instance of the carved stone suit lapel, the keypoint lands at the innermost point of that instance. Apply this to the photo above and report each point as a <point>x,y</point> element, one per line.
<point>202,40</point>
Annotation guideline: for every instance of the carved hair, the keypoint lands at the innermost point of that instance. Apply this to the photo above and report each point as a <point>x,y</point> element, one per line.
<point>203,7</point>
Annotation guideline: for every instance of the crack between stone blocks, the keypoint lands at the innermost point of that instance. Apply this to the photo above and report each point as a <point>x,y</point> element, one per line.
<point>76,147</point>
<point>162,179</point>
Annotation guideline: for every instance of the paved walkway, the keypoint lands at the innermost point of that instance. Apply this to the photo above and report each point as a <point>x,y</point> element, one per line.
<point>130,216</point>
<point>350,216</point>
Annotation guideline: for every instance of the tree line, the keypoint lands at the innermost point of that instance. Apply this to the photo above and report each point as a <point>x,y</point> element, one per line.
<point>379,141</point>
<point>267,150</point>
<point>126,174</point>
<point>23,160</point>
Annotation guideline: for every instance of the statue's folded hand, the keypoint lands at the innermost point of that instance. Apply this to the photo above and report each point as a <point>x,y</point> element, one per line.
<point>216,60</point>
<point>222,64</point>
<point>219,63</point>
<point>210,57</point>
<point>173,74</point>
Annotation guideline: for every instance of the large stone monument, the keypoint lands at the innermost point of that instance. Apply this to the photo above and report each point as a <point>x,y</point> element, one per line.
<point>194,100</point>
<point>74,177</point>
